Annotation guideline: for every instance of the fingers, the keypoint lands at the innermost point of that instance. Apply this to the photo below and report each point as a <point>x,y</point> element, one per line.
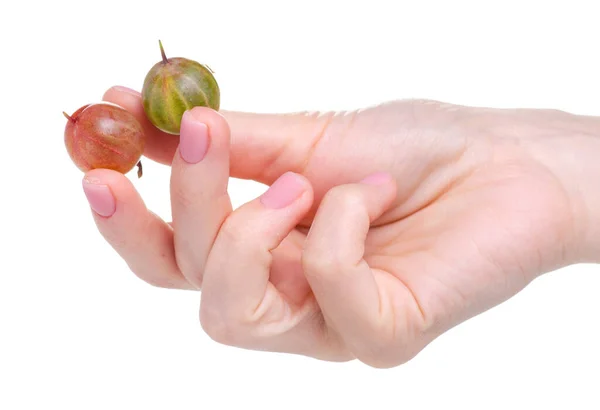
<point>238,299</point>
<point>140,237</point>
<point>199,199</point>
<point>263,146</point>
<point>344,285</point>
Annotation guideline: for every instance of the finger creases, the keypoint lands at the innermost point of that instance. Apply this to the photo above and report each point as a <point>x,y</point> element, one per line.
<point>347,290</point>
<point>238,300</point>
<point>139,236</point>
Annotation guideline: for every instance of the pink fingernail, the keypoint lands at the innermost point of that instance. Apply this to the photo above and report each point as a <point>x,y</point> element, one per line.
<point>99,196</point>
<point>286,190</point>
<point>126,90</point>
<point>193,139</point>
<point>378,178</point>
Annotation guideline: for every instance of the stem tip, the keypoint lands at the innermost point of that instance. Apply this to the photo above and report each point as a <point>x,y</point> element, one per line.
<point>162,52</point>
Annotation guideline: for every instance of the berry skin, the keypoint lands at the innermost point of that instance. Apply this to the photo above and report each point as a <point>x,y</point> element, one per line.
<point>104,135</point>
<point>175,85</point>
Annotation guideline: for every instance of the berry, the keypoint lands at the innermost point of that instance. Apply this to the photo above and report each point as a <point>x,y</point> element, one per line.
<point>104,135</point>
<point>175,85</point>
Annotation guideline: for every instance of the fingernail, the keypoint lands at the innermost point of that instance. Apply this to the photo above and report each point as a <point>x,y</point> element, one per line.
<point>193,139</point>
<point>126,90</point>
<point>99,196</point>
<point>283,192</point>
<point>378,178</point>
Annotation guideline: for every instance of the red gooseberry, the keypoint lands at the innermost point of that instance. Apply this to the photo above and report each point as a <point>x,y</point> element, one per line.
<point>104,135</point>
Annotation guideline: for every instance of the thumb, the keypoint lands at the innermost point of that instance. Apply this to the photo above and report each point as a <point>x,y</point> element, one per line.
<point>263,146</point>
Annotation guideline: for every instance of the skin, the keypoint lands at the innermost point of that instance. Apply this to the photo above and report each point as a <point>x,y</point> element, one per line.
<point>469,206</point>
<point>103,136</point>
<point>175,85</point>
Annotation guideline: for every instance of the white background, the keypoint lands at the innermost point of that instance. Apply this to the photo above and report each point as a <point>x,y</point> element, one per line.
<point>79,331</point>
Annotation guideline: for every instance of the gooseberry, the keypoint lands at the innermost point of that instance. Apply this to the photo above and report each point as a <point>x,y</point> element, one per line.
<point>104,135</point>
<point>175,85</point>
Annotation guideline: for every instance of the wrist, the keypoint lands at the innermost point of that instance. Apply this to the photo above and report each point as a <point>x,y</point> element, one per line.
<point>570,150</point>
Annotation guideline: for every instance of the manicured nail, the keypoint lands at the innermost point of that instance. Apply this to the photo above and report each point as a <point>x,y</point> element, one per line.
<point>126,90</point>
<point>287,189</point>
<point>99,196</point>
<point>378,178</point>
<point>193,139</point>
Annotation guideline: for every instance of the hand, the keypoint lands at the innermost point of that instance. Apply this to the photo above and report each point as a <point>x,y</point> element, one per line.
<point>461,209</point>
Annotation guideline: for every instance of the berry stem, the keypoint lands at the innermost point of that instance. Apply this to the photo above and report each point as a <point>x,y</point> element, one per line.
<point>139,171</point>
<point>162,53</point>
<point>68,117</point>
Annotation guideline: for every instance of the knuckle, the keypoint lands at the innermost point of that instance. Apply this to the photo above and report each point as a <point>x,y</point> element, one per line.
<point>557,112</point>
<point>344,199</point>
<point>232,233</point>
<point>218,329</point>
<point>316,260</point>
<point>376,361</point>
<point>382,362</point>
<point>384,349</point>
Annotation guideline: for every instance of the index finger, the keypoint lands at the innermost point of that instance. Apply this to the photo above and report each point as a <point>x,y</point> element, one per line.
<point>263,146</point>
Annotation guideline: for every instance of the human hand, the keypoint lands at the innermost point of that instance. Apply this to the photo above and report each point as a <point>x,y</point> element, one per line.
<point>474,204</point>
